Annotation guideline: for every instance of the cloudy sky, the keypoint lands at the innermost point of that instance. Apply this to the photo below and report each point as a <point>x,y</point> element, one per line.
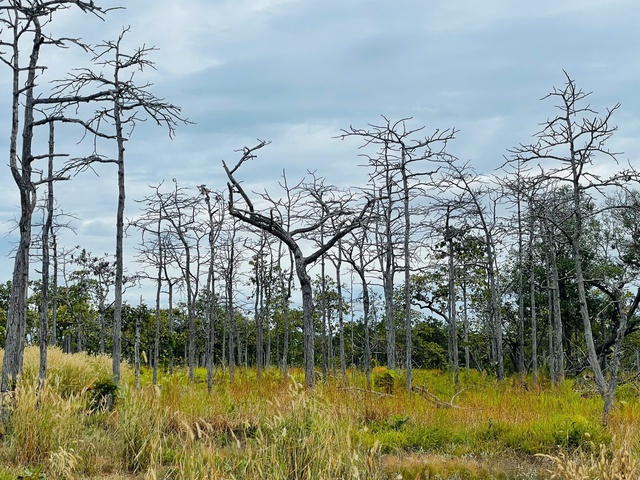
<point>295,72</point>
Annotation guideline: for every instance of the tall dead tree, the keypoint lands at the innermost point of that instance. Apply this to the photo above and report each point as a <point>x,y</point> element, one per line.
<point>23,30</point>
<point>567,147</point>
<point>215,219</point>
<point>124,104</point>
<point>358,253</point>
<point>181,213</point>
<point>399,153</point>
<point>271,222</point>
<point>480,202</point>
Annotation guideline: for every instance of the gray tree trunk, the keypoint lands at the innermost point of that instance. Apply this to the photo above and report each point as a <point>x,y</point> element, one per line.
<point>46,229</point>
<point>408,324</point>
<point>21,170</point>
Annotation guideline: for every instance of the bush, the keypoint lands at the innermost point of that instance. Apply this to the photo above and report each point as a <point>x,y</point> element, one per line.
<point>384,379</point>
<point>102,394</point>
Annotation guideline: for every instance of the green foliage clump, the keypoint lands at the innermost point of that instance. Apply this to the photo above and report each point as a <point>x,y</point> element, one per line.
<point>384,378</point>
<point>575,431</point>
<point>627,392</point>
<point>102,394</point>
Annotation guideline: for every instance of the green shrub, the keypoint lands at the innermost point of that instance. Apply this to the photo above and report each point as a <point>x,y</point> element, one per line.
<point>384,379</point>
<point>576,431</point>
<point>626,392</point>
<point>102,394</point>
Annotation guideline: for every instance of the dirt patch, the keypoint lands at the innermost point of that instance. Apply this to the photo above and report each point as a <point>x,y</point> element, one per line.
<point>418,466</point>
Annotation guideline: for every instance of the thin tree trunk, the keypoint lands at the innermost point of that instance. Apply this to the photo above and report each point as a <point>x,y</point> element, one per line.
<point>407,274</point>
<point>156,339</point>
<point>534,325</point>
<point>521,367</point>
<point>465,327</point>
<point>257,310</point>
<point>343,360</point>
<point>453,325</point>
<point>46,229</point>
<point>119,279</point>
<point>558,351</point>
<point>323,292</point>
<point>171,334</point>
<point>136,346</point>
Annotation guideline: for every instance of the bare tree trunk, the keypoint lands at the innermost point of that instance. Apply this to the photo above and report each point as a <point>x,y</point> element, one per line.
<point>54,287</point>
<point>171,333</point>
<point>285,300</point>
<point>532,302</point>
<point>22,175</point>
<point>231,318</point>
<point>215,227</point>
<point>323,293</point>
<point>46,229</point>
<point>117,304</point>
<point>136,346</point>
<point>521,367</point>
<point>465,326</point>
<point>557,351</point>
<point>258,273</point>
<point>211,331</point>
<point>343,360</point>
<point>387,280</point>
<point>453,325</point>
<point>408,324</point>
<point>550,325</point>
<point>156,339</point>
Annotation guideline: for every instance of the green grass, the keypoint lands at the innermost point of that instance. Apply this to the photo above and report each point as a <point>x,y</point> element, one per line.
<point>276,429</point>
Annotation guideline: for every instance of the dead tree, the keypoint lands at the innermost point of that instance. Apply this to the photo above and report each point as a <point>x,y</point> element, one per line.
<point>152,252</point>
<point>398,156</point>
<point>272,223</point>
<point>566,148</point>
<point>358,253</point>
<point>181,213</point>
<point>23,30</point>
<point>47,229</point>
<point>480,202</point>
<point>124,104</point>
<point>215,219</point>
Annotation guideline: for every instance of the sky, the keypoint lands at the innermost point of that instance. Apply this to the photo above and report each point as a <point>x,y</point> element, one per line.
<point>296,72</point>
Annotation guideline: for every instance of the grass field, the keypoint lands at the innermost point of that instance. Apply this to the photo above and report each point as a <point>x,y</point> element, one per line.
<point>275,429</point>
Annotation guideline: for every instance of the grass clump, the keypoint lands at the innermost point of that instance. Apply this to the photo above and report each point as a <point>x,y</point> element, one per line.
<point>42,422</point>
<point>138,429</point>
<point>604,463</point>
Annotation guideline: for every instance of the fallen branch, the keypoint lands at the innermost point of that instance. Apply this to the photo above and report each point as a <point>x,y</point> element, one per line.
<point>356,389</point>
<point>427,395</point>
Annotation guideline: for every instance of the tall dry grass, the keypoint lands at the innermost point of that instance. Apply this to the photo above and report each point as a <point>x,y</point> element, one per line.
<point>276,429</point>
